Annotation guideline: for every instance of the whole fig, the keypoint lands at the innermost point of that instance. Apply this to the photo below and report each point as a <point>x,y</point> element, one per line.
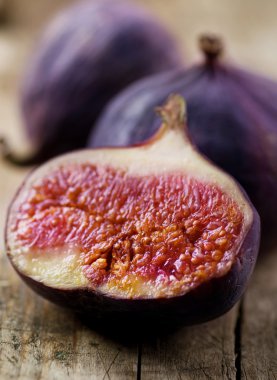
<point>153,232</point>
<point>232,118</point>
<point>89,53</point>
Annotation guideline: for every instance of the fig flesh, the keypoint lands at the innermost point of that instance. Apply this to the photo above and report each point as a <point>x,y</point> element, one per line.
<point>148,231</point>
<point>231,116</point>
<point>89,53</point>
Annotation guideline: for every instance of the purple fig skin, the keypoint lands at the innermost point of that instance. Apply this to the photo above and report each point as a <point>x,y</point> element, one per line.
<point>89,53</point>
<point>231,116</point>
<point>208,301</point>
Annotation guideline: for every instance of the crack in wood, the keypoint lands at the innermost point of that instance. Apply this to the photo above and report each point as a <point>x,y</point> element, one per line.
<point>238,329</point>
<point>139,361</point>
<point>110,366</point>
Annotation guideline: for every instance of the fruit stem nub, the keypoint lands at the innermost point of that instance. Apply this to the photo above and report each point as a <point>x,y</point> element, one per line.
<point>212,47</point>
<point>7,154</point>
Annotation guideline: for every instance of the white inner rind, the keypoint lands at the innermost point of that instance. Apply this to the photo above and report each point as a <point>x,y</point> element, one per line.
<point>166,154</point>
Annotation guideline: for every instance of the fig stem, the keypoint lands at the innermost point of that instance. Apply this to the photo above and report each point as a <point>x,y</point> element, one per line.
<point>7,155</point>
<point>173,112</point>
<point>211,46</point>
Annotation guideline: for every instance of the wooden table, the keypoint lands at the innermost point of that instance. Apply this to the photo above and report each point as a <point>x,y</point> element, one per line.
<point>41,341</point>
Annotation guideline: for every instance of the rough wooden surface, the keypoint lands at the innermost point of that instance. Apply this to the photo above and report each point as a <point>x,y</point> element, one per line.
<point>41,341</point>
<point>259,322</point>
<point>198,352</point>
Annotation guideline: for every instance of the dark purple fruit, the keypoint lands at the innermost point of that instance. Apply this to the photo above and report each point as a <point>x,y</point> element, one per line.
<point>148,232</point>
<point>232,119</point>
<point>88,54</point>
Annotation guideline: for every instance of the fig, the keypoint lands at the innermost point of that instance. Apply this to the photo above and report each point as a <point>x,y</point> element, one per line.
<point>153,231</point>
<point>232,117</point>
<point>90,52</point>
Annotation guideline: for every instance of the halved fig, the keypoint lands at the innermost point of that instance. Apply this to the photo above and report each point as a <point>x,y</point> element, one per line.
<point>151,231</point>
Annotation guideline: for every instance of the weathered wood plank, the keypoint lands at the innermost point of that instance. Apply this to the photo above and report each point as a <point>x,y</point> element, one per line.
<point>259,322</point>
<point>41,341</point>
<point>199,352</point>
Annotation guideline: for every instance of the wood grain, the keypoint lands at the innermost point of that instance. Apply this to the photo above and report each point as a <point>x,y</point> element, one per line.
<point>205,351</point>
<point>259,322</point>
<point>41,341</point>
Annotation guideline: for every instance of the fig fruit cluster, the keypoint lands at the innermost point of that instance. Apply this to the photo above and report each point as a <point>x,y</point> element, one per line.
<point>145,222</point>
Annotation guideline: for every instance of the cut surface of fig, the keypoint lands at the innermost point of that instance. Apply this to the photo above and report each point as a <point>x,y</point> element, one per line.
<point>147,222</point>
<point>133,235</point>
